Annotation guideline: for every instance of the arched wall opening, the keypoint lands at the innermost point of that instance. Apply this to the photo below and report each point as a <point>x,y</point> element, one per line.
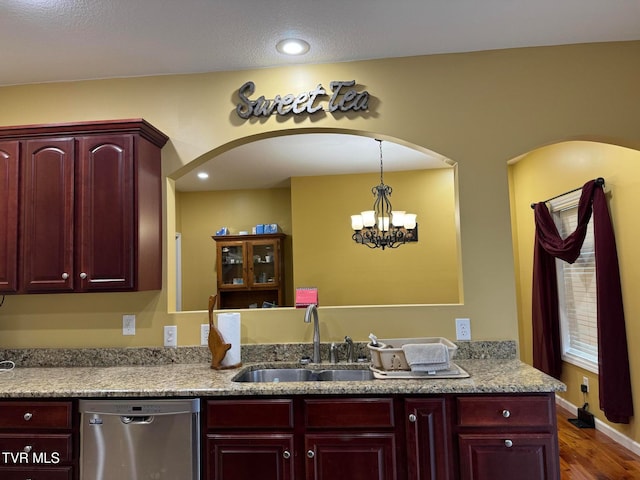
<point>552,170</point>
<point>314,209</point>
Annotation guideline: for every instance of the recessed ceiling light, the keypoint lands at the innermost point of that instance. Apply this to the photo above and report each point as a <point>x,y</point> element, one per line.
<point>292,46</point>
<point>203,175</point>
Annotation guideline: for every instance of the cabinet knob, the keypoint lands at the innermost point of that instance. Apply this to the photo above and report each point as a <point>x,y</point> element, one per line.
<point>83,275</point>
<point>508,443</point>
<point>65,275</point>
<point>506,413</point>
<point>27,448</point>
<point>286,454</point>
<point>311,454</point>
<point>412,418</point>
<point>27,416</point>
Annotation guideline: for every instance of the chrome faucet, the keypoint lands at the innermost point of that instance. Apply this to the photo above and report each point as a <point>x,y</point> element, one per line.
<point>313,309</point>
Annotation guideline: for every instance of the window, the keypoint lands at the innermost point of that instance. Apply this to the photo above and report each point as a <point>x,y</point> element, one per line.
<point>577,290</point>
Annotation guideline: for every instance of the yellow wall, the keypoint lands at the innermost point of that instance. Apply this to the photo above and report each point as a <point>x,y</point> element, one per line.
<point>479,109</point>
<point>200,214</point>
<point>555,169</point>
<point>346,273</point>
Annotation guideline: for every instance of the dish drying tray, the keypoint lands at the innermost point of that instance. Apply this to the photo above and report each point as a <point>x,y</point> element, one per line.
<point>388,354</point>
<point>454,372</point>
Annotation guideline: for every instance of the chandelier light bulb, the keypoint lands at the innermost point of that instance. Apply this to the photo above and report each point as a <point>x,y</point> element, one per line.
<point>369,218</point>
<point>410,220</point>
<point>397,218</point>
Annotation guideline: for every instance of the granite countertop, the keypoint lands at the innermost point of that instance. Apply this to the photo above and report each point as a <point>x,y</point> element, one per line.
<point>191,380</point>
<point>159,378</point>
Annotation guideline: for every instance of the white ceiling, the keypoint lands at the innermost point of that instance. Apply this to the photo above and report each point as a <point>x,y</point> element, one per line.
<point>57,40</point>
<point>66,40</point>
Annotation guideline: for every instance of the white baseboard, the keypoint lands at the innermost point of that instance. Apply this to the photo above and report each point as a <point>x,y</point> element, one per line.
<point>613,434</point>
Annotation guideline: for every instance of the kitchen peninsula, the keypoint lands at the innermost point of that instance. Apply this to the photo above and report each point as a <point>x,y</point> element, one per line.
<point>502,417</point>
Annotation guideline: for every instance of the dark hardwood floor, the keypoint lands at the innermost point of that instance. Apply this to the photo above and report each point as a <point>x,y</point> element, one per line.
<point>586,454</point>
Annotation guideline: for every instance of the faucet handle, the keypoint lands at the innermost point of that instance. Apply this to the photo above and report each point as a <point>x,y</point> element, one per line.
<point>349,343</point>
<point>333,353</point>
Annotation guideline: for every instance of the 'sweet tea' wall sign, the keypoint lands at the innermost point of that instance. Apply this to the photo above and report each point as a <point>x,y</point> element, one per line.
<point>341,98</point>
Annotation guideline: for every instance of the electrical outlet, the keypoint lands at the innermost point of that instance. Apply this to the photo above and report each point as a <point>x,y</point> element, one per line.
<point>204,334</point>
<point>128,324</point>
<point>585,384</point>
<point>170,336</point>
<point>463,329</point>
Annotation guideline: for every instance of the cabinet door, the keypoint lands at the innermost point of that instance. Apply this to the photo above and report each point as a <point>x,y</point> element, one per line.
<point>48,215</point>
<point>231,265</point>
<point>264,258</point>
<point>106,213</point>
<point>358,456</point>
<point>250,456</point>
<point>508,456</point>
<point>429,454</point>
<point>9,152</point>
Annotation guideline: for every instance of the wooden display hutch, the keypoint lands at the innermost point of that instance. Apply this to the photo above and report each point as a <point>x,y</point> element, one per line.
<point>250,270</point>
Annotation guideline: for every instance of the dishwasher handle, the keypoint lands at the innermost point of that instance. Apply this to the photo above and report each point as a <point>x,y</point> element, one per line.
<point>136,419</point>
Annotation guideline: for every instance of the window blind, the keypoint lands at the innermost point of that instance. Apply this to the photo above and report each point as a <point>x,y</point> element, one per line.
<point>577,291</point>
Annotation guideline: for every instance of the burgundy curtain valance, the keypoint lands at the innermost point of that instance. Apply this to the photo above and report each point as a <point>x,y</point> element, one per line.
<point>613,362</point>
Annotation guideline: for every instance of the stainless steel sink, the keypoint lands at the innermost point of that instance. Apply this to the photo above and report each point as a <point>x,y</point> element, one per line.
<point>275,375</point>
<point>344,375</point>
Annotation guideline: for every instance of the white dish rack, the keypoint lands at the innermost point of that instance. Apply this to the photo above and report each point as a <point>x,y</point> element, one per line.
<point>388,355</point>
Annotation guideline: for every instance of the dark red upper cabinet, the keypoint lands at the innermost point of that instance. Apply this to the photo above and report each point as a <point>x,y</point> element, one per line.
<point>90,207</point>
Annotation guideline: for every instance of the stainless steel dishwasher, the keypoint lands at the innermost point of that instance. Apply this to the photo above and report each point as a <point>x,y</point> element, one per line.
<point>140,439</point>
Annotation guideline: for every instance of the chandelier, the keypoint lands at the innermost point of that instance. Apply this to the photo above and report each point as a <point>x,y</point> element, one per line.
<point>383,227</point>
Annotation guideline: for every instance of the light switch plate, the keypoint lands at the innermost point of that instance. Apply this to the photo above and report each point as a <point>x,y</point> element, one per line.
<point>170,336</point>
<point>204,334</point>
<point>128,324</point>
<point>463,329</point>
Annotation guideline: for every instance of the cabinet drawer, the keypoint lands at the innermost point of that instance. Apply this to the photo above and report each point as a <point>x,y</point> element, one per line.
<point>250,414</point>
<point>349,413</point>
<point>35,449</point>
<point>44,473</point>
<point>506,411</point>
<point>30,415</point>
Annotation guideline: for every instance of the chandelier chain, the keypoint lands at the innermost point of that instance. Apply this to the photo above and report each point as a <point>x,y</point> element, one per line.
<point>381,174</point>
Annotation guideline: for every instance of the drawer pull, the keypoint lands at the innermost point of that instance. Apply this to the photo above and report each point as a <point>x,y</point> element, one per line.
<point>412,418</point>
<point>27,416</point>
<point>506,413</point>
<point>310,454</point>
<point>508,443</point>
<point>27,448</point>
<point>286,454</point>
